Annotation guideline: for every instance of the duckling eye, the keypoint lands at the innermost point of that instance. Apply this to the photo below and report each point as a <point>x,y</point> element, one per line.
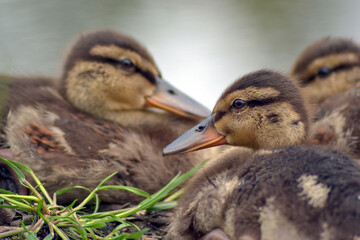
<point>127,64</point>
<point>238,103</point>
<point>324,72</point>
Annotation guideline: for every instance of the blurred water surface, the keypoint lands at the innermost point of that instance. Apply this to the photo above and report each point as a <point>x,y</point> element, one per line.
<point>200,46</point>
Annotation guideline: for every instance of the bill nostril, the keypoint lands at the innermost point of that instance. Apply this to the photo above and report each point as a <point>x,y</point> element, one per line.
<point>200,129</point>
<point>172,92</point>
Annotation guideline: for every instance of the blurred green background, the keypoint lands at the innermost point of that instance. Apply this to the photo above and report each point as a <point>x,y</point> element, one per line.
<point>200,46</point>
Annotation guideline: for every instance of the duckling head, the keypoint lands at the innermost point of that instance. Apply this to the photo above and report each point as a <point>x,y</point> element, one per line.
<point>263,109</point>
<point>327,67</point>
<point>107,72</point>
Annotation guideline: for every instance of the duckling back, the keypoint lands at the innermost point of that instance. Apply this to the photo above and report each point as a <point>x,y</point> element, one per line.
<point>295,192</point>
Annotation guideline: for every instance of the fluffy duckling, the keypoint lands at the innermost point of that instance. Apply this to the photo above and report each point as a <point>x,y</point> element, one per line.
<point>271,190</point>
<point>331,67</point>
<point>97,120</point>
<point>327,67</point>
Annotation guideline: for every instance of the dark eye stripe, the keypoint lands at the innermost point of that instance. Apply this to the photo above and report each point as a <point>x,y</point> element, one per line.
<point>105,60</point>
<point>335,69</point>
<point>219,115</point>
<point>250,104</point>
<point>254,103</point>
<point>146,74</point>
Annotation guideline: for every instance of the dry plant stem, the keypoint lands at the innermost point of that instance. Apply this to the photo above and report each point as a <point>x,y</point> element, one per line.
<point>41,186</point>
<point>51,229</point>
<point>54,204</point>
<point>19,230</point>
<point>38,225</point>
<point>58,231</point>
<point>44,207</point>
<point>175,195</point>
<point>12,232</point>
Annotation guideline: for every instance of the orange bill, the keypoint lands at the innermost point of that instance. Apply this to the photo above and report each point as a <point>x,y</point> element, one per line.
<point>203,135</point>
<point>168,98</point>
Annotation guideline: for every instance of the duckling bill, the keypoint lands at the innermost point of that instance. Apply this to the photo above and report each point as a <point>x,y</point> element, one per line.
<point>203,135</point>
<point>169,98</point>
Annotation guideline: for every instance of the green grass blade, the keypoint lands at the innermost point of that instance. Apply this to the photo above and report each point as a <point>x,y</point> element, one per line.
<point>32,236</point>
<point>20,197</point>
<point>39,210</point>
<point>149,202</point>
<point>6,192</point>
<point>162,193</point>
<point>9,206</point>
<point>96,224</point>
<point>97,203</point>
<point>106,179</point>
<point>93,235</point>
<point>82,232</point>
<point>134,235</point>
<point>23,167</point>
<point>64,190</point>
<point>59,232</point>
<point>65,221</point>
<point>127,188</point>
<point>159,206</point>
<point>21,205</point>
<point>49,237</point>
<point>15,166</point>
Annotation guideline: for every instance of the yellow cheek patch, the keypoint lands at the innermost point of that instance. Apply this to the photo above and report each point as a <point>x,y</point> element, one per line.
<point>331,61</point>
<point>264,93</point>
<point>247,94</point>
<point>116,53</point>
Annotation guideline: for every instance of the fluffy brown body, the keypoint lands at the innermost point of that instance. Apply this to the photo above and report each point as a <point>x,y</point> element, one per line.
<point>297,192</point>
<point>272,190</point>
<point>329,72</point>
<point>94,122</point>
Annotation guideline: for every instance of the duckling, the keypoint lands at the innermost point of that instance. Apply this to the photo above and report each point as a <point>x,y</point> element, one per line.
<point>99,119</point>
<point>271,190</point>
<point>327,67</point>
<point>329,72</point>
